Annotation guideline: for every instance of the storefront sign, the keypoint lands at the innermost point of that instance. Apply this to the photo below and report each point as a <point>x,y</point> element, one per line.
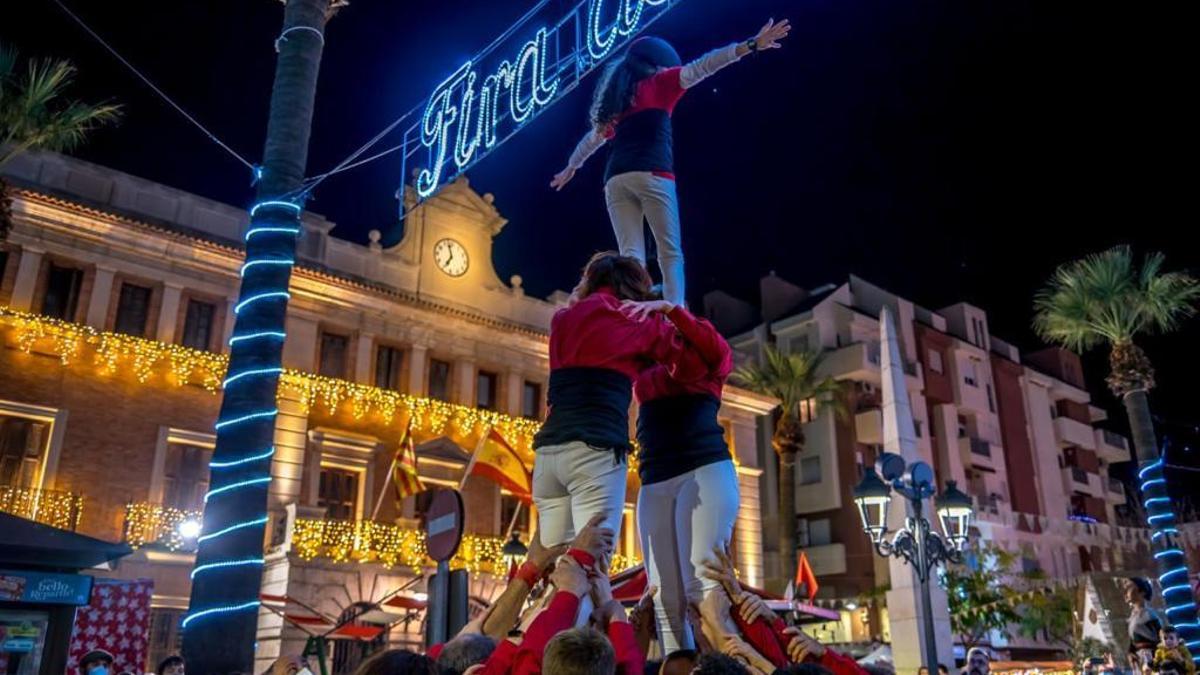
<point>529,67</point>
<point>45,588</point>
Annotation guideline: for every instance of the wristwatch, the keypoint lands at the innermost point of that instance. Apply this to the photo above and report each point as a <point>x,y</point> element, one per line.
<point>752,44</point>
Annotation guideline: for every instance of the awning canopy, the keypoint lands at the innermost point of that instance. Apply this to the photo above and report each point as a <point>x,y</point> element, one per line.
<point>315,623</point>
<point>32,545</point>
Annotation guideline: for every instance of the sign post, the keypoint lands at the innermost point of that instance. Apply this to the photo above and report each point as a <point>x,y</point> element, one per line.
<point>443,534</point>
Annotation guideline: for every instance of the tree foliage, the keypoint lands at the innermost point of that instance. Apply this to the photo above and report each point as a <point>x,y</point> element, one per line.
<point>979,600</point>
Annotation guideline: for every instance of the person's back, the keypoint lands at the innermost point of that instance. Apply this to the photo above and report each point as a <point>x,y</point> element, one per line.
<point>579,651</point>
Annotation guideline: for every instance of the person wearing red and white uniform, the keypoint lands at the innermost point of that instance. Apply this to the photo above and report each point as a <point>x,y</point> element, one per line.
<point>631,112</point>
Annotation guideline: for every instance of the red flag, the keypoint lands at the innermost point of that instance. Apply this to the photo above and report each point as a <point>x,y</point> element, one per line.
<point>405,478</point>
<point>805,579</point>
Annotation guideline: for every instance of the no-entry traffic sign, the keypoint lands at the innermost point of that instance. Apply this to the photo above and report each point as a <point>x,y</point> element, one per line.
<point>444,525</point>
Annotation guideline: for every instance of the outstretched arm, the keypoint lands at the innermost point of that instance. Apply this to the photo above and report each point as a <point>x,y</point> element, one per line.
<point>587,146</point>
<point>767,38</point>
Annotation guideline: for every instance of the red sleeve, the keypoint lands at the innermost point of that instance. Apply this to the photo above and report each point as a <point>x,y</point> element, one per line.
<point>435,651</point>
<point>630,660</point>
<point>665,89</point>
<point>840,664</point>
<point>501,660</point>
<point>557,617</point>
<point>664,344</point>
<point>705,339</point>
<point>586,560</point>
<point>761,636</point>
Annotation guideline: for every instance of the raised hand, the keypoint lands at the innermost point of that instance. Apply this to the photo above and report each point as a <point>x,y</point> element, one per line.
<point>641,617</point>
<point>752,608</point>
<point>562,178</point>
<point>739,649</point>
<point>721,570</point>
<point>596,540</point>
<point>802,645</point>
<point>570,577</point>
<point>771,33</point>
<point>542,556</point>
<point>640,310</point>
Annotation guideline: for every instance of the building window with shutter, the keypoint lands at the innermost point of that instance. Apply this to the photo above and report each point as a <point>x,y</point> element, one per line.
<point>133,308</point>
<point>810,470</point>
<point>332,361</point>
<point>61,299</point>
<point>198,325</point>
<point>23,445</point>
<point>531,400</point>
<point>485,390</point>
<point>185,476</point>
<point>439,380</point>
<point>338,493</point>
<point>389,364</point>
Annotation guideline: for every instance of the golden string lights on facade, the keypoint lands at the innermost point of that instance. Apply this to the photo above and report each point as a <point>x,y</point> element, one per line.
<point>50,507</point>
<point>147,523</point>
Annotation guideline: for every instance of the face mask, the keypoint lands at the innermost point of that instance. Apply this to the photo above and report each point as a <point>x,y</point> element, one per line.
<point>99,670</point>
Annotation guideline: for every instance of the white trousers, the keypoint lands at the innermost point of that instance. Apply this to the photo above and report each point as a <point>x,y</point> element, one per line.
<point>637,195</point>
<point>680,521</point>
<point>573,482</point>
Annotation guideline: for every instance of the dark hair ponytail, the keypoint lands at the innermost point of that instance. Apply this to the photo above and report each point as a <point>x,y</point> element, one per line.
<point>614,91</point>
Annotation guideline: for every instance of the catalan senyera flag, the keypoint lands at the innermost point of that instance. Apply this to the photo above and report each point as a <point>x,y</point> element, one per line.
<point>497,461</point>
<point>405,478</point>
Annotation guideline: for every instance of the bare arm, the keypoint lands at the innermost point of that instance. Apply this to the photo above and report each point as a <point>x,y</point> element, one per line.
<point>505,612</point>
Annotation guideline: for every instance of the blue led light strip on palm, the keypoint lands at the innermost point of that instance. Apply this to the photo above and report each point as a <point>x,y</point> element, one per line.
<point>269,230</point>
<point>225,564</point>
<point>220,610</point>
<point>246,418</point>
<point>245,460</point>
<point>1171,558</point>
<point>256,298</point>
<point>233,528</point>
<point>233,486</point>
<point>254,263</point>
<point>250,373</point>
<point>276,204</point>
<point>256,336</point>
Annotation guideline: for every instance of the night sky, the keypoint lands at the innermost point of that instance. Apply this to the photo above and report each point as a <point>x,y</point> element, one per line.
<point>944,150</point>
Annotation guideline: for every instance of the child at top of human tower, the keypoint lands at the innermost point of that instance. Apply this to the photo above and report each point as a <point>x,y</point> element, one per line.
<point>631,111</point>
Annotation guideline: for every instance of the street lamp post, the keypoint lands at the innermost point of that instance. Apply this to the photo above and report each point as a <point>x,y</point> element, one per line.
<point>916,543</point>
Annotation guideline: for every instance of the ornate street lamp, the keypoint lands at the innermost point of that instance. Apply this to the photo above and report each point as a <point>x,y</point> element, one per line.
<point>513,551</point>
<point>916,543</point>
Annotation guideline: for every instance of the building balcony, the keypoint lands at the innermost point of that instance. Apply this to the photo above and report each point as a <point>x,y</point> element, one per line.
<point>55,508</point>
<point>1112,447</point>
<point>368,541</point>
<point>1079,480</point>
<point>978,451</point>
<point>861,361</point>
<point>868,427</point>
<point>827,558</point>
<point>1070,432</point>
<point>1115,490</point>
<point>159,526</point>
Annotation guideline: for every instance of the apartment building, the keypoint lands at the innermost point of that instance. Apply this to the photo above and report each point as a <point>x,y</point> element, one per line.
<point>1018,432</point>
<point>116,307</point>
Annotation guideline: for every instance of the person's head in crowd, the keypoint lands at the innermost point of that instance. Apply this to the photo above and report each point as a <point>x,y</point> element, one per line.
<point>172,665</point>
<point>1138,591</point>
<point>96,662</point>
<point>805,669</point>
<point>922,671</point>
<point>714,663</point>
<point>579,651</point>
<point>398,662</point>
<point>464,651</point>
<point>625,276</point>
<point>1168,636</point>
<point>678,662</point>
<point>943,670</point>
<point>978,662</point>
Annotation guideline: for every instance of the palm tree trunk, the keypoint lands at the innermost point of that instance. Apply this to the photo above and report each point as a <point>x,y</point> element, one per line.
<point>219,632</point>
<point>1171,561</point>
<point>787,514</point>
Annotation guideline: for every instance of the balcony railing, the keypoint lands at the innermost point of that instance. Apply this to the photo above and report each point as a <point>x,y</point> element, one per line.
<point>148,524</point>
<point>387,544</point>
<point>1079,475</point>
<point>50,507</point>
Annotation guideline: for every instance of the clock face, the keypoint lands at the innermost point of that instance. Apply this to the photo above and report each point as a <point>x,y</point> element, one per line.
<point>450,257</point>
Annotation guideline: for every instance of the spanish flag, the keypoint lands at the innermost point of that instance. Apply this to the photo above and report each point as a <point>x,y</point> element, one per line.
<point>405,478</point>
<point>497,461</point>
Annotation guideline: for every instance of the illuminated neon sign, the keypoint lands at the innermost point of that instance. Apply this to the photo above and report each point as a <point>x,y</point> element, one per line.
<point>534,63</point>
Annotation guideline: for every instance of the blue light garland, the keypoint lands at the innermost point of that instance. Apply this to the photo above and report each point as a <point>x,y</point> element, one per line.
<point>1158,500</point>
<point>225,564</point>
<point>276,204</point>
<point>233,486</point>
<point>246,418</point>
<point>256,336</point>
<point>1156,464</point>
<point>1162,578</point>
<point>256,298</point>
<point>253,263</point>
<point>250,373</point>
<point>245,460</point>
<point>268,230</point>
<point>220,610</point>
<point>1172,559</point>
<point>233,528</point>
<point>1171,551</point>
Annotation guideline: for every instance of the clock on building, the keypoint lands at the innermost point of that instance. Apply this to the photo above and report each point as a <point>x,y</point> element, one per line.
<point>450,257</point>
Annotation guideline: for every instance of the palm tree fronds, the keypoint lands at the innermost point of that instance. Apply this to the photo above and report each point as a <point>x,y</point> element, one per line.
<point>793,379</point>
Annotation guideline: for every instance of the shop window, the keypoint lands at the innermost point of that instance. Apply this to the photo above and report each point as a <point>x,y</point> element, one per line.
<point>61,299</point>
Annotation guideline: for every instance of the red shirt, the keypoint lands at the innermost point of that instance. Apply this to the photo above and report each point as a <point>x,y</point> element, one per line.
<point>708,353</point>
<point>595,333</point>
